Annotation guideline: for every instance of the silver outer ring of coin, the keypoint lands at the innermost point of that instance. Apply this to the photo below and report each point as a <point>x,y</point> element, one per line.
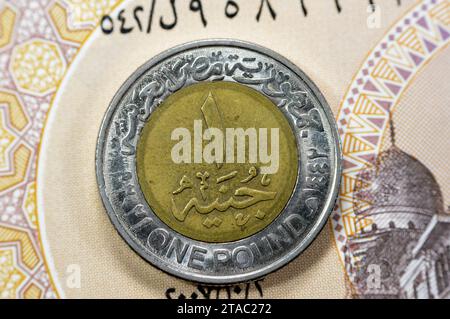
<point>318,176</point>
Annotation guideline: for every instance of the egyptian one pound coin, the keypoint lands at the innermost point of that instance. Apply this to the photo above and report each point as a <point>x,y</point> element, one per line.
<point>218,161</point>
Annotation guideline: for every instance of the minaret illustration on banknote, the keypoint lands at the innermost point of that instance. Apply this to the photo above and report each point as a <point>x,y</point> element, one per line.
<point>403,247</point>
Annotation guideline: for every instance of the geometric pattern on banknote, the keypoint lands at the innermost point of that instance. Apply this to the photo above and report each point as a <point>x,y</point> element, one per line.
<point>11,277</point>
<point>87,12</point>
<point>366,109</point>
<point>38,40</point>
<point>37,66</point>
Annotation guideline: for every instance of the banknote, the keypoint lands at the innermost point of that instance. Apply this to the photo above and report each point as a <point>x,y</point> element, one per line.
<point>383,67</point>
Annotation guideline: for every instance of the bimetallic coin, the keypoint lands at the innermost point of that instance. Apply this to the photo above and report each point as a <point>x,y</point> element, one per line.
<point>218,161</point>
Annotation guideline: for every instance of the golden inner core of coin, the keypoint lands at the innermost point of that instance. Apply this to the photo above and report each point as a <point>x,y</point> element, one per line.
<point>217,161</point>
